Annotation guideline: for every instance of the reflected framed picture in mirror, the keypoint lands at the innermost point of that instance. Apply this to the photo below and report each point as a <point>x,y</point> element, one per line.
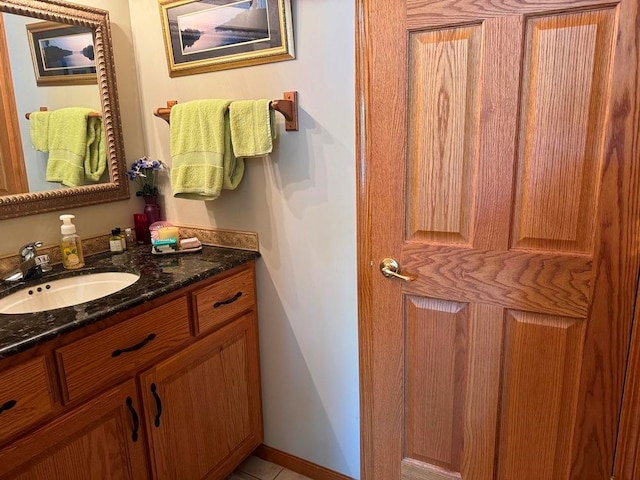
<point>209,35</point>
<point>62,54</point>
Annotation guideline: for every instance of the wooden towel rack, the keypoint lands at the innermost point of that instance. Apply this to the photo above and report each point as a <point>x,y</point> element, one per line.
<point>45,109</point>
<point>288,107</point>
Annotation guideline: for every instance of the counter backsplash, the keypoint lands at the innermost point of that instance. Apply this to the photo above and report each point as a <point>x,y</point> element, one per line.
<point>100,244</point>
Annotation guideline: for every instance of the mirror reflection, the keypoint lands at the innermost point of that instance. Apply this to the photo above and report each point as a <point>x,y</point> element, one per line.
<point>30,97</point>
<point>62,145</point>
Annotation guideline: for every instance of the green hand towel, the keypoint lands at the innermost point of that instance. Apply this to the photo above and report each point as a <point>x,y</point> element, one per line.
<point>95,159</point>
<point>252,128</point>
<point>202,158</point>
<point>39,130</point>
<point>67,145</point>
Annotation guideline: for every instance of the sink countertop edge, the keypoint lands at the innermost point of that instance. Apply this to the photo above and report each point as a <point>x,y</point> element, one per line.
<point>159,275</point>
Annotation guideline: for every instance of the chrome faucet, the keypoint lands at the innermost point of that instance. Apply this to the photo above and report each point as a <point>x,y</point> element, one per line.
<point>31,264</point>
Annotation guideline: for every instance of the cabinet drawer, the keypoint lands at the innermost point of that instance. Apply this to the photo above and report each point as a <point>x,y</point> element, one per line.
<point>100,359</point>
<point>224,299</point>
<point>25,397</point>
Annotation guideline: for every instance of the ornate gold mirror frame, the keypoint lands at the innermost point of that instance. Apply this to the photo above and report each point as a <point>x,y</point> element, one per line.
<point>118,188</point>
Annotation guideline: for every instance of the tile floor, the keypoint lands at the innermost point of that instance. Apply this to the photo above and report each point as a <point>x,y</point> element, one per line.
<point>255,468</point>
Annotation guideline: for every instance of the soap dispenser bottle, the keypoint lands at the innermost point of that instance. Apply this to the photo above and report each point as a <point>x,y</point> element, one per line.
<point>70,244</point>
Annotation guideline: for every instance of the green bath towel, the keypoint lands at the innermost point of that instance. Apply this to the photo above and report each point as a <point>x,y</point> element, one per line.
<point>252,128</point>
<point>39,130</point>
<point>75,145</point>
<point>202,158</point>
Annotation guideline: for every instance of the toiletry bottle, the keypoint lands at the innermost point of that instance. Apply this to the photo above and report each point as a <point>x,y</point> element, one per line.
<point>123,241</point>
<point>70,244</point>
<point>129,238</point>
<point>115,242</point>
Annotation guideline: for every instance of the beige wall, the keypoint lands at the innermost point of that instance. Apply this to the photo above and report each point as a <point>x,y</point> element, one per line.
<point>301,201</point>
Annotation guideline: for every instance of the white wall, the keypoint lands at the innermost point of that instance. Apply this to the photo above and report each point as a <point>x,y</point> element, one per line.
<point>301,201</point>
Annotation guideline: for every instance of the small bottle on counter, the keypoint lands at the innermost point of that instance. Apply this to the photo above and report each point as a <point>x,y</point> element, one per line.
<point>115,242</point>
<point>123,241</point>
<point>129,238</point>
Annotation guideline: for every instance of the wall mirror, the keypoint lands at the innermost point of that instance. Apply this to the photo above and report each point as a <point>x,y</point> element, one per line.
<point>21,191</point>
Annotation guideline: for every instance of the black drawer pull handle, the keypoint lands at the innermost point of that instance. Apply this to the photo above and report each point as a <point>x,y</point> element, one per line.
<point>8,405</point>
<point>134,417</point>
<point>137,346</point>
<point>154,392</point>
<point>228,300</point>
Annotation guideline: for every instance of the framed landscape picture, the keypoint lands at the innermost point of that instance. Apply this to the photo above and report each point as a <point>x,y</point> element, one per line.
<point>208,35</point>
<point>62,54</point>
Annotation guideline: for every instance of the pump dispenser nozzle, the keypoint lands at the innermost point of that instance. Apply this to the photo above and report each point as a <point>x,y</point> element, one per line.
<point>67,227</point>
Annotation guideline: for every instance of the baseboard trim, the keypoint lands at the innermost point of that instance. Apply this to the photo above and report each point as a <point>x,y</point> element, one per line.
<point>297,464</point>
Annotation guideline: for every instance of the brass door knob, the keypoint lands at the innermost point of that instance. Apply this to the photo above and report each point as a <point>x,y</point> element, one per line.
<point>391,268</point>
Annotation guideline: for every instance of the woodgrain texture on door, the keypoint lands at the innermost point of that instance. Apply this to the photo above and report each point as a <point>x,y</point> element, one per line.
<point>499,151</point>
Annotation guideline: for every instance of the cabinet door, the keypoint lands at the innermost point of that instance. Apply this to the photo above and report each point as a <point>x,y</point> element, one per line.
<point>25,397</point>
<point>101,439</point>
<point>202,406</point>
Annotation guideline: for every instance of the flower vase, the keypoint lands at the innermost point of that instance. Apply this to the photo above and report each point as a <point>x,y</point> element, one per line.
<point>151,209</point>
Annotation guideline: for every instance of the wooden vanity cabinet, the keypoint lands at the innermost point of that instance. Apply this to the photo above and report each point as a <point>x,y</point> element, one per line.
<point>179,406</point>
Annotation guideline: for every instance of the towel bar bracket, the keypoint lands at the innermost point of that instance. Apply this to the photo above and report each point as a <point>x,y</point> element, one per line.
<point>289,108</point>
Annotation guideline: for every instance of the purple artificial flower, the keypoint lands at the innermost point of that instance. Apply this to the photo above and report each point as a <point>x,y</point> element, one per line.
<point>144,172</point>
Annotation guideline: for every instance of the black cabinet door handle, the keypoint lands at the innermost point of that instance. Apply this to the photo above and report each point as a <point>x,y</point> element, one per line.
<point>154,392</point>
<point>137,346</point>
<point>228,300</point>
<point>134,417</point>
<point>8,405</point>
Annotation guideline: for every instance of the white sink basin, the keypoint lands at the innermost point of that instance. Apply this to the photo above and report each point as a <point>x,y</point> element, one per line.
<point>65,292</point>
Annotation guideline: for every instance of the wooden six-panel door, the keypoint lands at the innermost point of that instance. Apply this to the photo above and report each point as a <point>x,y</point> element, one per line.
<point>499,151</point>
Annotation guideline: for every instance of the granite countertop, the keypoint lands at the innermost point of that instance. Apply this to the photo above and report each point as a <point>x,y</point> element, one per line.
<point>159,275</point>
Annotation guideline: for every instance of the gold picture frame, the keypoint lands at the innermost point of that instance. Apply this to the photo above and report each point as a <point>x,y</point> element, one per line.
<point>209,35</point>
<point>62,54</point>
